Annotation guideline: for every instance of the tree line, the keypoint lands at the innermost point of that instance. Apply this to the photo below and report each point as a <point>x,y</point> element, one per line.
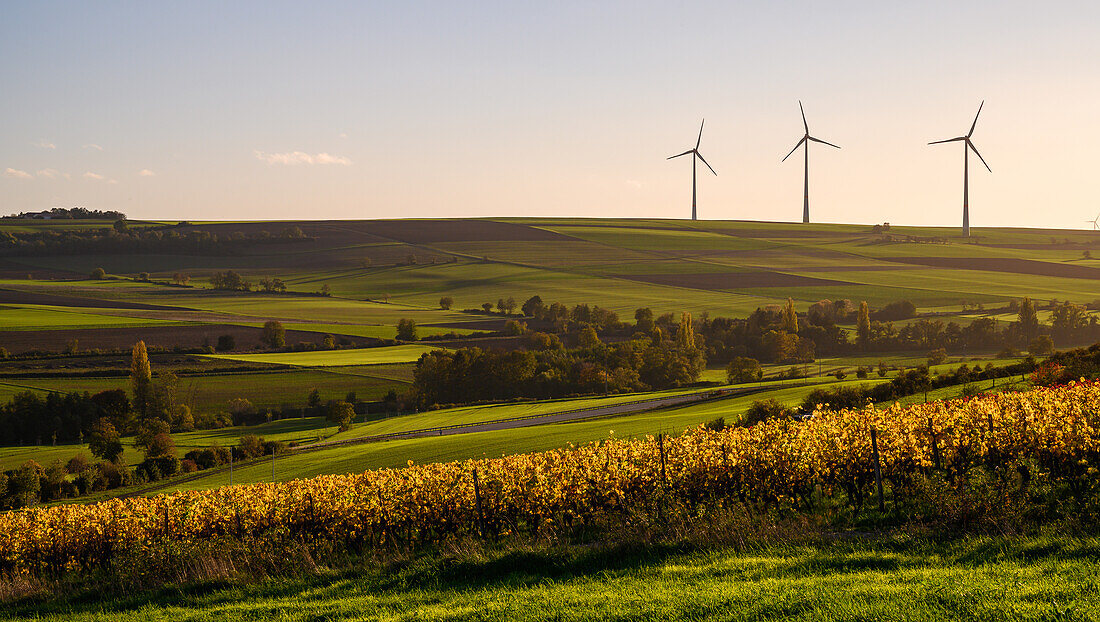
<point>548,370</point>
<point>123,239</point>
<point>71,213</point>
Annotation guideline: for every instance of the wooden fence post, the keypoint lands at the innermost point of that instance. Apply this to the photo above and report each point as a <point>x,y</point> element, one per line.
<point>991,445</point>
<point>878,470</point>
<point>661,446</point>
<point>935,445</point>
<point>477,501</point>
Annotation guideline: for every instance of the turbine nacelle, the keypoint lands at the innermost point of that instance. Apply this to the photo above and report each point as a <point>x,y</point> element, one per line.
<point>694,153</point>
<point>968,146</point>
<point>805,141</point>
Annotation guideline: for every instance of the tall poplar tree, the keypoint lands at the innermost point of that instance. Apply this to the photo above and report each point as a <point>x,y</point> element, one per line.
<point>790,318</point>
<point>863,325</point>
<point>141,379</point>
<point>687,331</point>
<point>1028,319</point>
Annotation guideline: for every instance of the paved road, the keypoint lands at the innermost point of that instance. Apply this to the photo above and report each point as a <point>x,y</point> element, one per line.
<point>625,408</point>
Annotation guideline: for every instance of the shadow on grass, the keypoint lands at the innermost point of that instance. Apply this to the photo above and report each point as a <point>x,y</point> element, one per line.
<point>356,576</point>
<point>512,568</point>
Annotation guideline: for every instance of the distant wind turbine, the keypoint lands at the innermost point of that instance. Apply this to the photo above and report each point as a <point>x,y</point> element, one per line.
<point>695,154</point>
<point>1095,223</point>
<point>806,138</point>
<point>967,146</point>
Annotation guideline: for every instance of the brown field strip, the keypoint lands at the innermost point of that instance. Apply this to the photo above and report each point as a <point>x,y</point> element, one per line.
<point>11,296</point>
<point>1004,264</point>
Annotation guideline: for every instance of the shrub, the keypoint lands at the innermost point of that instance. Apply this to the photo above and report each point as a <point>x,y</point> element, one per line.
<point>98,274</point>
<point>764,410</point>
<point>274,335</point>
<point>743,369</point>
<point>406,330</point>
<point>1042,345</point>
<point>77,464</point>
<point>250,446</point>
<point>340,413</point>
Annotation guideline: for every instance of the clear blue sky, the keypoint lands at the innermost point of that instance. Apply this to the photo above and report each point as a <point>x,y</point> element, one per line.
<point>216,110</point>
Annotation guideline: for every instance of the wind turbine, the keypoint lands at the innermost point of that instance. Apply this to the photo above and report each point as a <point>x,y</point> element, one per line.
<point>806,138</point>
<point>695,154</point>
<point>1095,223</point>
<point>967,146</point>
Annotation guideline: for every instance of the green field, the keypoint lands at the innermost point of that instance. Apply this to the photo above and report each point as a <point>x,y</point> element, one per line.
<point>43,317</point>
<point>590,259</point>
<point>335,358</point>
<point>211,392</point>
<point>976,578</point>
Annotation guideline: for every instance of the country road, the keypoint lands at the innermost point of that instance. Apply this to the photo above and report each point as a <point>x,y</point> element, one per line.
<point>614,410</point>
<point>625,408</point>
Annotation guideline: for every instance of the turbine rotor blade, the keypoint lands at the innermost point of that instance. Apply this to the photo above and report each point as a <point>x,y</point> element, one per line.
<point>803,111</point>
<point>681,154</point>
<point>949,140</point>
<point>818,140</point>
<point>705,162</point>
<point>971,145</point>
<point>700,139</point>
<point>797,145</point>
<point>975,124</point>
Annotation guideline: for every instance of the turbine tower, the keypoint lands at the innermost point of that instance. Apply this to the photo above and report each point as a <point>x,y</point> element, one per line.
<point>806,138</point>
<point>695,154</point>
<point>967,146</point>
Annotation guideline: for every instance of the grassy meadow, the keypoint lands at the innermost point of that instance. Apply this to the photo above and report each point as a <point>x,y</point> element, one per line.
<point>898,578</point>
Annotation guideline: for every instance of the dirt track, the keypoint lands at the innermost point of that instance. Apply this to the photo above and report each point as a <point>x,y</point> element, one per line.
<point>500,424</point>
<point>731,280</point>
<point>526,422</point>
<point>193,336</point>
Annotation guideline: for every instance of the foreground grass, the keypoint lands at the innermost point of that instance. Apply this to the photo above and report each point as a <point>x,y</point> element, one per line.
<point>1041,578</point>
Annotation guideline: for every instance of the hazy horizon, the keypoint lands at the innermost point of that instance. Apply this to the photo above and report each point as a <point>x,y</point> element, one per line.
<point>345,111</point>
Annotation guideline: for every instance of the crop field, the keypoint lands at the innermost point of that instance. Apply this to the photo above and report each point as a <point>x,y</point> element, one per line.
<point>211,392</point>
<point>622,263</point>
<point>335,358</point>
<point>43,317</point>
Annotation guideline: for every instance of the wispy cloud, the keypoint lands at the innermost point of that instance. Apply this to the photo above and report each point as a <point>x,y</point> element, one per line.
<point>44,144</point>
<point>49,173</point>
<point>301,157</point>
<point>146,173</point>
<point>93,146</point>
<point>343,134</point>
<point>97,177</point>
<point>16,173</point>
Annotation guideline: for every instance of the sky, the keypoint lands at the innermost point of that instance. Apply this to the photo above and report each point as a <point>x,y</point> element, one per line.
<point>247,110</point>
